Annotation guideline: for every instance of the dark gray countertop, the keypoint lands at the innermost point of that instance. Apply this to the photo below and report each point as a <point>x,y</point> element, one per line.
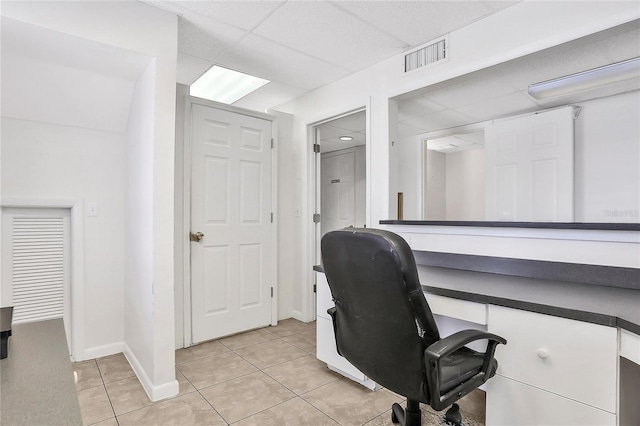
<point>37,379</point>
<point>610,306</point>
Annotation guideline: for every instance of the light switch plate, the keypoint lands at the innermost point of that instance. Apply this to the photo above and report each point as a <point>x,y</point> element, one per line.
<point>92,209</point>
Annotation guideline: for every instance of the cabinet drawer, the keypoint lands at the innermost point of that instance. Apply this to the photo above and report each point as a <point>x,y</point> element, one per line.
<point>567,357</point>
<point>456,308</point>
<point>513,403</point>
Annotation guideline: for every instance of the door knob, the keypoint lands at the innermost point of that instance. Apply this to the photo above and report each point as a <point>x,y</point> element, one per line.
<point>196,237</point>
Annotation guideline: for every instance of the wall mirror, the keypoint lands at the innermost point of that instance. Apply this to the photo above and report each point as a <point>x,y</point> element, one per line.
<point>480,147</point>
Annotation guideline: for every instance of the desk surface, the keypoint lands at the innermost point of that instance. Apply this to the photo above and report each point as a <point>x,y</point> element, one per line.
<point>37,379</point>
<point>611,306</point>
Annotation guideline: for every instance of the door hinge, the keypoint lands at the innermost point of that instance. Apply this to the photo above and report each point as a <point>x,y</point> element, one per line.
<point>272,292</point>
<point>272,143</point>
<point>271,217</point>
<point>315,287</point>
<point>316,218</point>
<point>316,148</point>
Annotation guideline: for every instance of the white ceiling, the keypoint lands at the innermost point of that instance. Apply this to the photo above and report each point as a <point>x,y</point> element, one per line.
<point>501,90</point>
<point>497,92</point>
<point>302,45</point>
<point>352,125</point>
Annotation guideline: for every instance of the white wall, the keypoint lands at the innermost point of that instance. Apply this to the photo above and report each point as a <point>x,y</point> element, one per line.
<point>287,220</point>
<point>179,236</point>
<point>139,28</point>
<point>508,34</point>
<point>607,160</point>
<point>465,185</point>
<point>405,164</point>
<point>435,183</point>
<point>51,161</point>
<point>138,235</point>
<point>360,186</point>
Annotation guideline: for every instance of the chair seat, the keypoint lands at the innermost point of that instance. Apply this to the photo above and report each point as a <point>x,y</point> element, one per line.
<point>459,367</point>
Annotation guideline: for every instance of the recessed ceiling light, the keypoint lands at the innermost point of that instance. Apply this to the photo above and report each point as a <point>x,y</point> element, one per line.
<point>345,138</point>
<point>225,85</point>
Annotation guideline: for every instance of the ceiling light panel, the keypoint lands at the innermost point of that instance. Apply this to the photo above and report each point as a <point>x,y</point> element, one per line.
<point>224,85</point>
<point>586,80</point>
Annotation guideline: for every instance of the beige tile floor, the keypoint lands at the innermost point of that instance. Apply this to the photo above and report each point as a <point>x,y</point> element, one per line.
<point>262,377</point>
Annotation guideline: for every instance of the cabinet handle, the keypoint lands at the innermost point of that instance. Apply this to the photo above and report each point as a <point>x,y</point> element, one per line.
<point>543,353</point>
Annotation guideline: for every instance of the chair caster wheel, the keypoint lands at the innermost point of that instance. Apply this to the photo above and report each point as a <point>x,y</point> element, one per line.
<point>453,416</point>
<point>397,414</point>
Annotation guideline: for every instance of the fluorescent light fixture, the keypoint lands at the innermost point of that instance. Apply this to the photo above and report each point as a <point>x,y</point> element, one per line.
<point>345,138</point>
<point>591,79</point>
<point>224,85</point>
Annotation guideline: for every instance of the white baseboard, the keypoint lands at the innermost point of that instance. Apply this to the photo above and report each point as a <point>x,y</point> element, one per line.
<point>100,351</point>
<point>155,393</point>
<point>297,315</point>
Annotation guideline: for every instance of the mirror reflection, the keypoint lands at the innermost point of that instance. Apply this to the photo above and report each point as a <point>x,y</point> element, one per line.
<point>481,147</point>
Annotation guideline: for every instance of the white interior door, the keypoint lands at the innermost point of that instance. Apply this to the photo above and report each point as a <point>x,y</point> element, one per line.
<point>529,168</point>
<point>232,266</point>
<point>338,190</point>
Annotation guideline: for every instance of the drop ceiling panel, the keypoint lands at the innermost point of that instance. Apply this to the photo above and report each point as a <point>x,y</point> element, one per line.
<point>442,120</point>
<point>353,122</point>
<point>417,22</point>
<point>331,145</point>
<point>329,33</point>
<point>269,96</point>
<point>206,39</point>
<point>242,14</point>
<point>418,105</point>
<point>331,132</point>
<point>511,104</point>
<point>468,92</point>
<point>358,139</point>
<point>266,59</point>
<point>190,68</point>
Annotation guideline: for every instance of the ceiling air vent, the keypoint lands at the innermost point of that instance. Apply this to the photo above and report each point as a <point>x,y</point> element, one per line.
<point>427,55</point>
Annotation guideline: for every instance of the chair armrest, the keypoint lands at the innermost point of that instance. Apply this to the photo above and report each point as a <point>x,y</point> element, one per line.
<point>332,313</point>
<point>452,343</point>
<point>444,347</point>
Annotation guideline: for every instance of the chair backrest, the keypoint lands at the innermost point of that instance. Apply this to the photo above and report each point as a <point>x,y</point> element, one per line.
<point>382,320</point>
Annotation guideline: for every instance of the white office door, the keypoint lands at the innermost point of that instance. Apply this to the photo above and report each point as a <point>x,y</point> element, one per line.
<point>232,266</point>
<point>529,168</point>
<point>338,191</point>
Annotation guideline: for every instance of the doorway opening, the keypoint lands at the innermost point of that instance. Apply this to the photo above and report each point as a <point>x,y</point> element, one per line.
<point>340,175</point>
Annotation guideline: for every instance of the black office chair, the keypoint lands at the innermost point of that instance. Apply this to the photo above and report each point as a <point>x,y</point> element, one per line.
<point>384,327</point>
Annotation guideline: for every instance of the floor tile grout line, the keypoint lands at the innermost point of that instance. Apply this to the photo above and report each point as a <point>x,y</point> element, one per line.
<point>211,405</point>
<point>266,409</point>
<point>113,410</point>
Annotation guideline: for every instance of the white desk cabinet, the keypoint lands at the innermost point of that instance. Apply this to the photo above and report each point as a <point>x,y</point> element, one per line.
<point>326,347</point>
<point>552,370</point>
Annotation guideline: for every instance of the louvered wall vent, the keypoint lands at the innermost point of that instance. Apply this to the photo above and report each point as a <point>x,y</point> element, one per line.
<point>38,268</point>
<point>427,55</point>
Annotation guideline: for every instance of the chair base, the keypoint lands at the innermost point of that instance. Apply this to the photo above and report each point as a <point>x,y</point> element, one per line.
<point>412,416</point>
